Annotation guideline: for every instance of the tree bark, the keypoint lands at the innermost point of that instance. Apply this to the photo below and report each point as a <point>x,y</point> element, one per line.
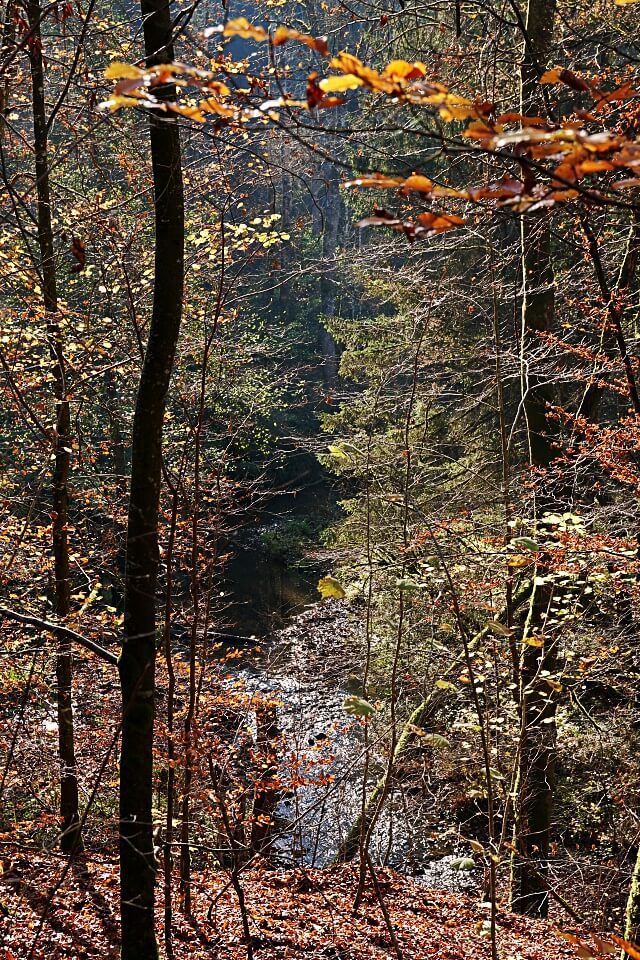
<point>266,793</point>
<point>137,659</point>
<point>328,283</point>
<point>632,912</point>
<point>536,773</point>
<point>61,439</point>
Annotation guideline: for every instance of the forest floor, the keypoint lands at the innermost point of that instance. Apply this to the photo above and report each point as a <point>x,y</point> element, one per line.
<point>295,913</point>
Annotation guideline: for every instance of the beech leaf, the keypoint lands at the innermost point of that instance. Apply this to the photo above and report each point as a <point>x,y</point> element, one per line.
<point>329,588</point>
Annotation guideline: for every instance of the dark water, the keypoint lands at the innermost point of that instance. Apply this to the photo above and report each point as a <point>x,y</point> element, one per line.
<point>265,591</point>
<point>275,563</point>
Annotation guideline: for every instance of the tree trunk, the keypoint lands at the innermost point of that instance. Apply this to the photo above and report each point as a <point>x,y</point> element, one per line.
<point>6,48</point>
<point>328,284</point>
<point>536,772</point>
<point>137,660</point>
<point>266,794</point>
<point>632,912</point>
<point>61,438</point>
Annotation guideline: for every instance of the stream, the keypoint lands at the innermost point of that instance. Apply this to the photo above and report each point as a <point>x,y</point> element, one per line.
<point>302,652</point>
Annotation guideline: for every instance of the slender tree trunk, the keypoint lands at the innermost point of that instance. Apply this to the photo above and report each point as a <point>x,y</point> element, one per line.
<point>632,912</point>
<point>328,283</point>
<point>171,749</point>
<point>137,660</point>
<point>266,793</point>
<point>61,437</point>
<point>536,772</point>
<point>6,46</point>
<point>116,441</point>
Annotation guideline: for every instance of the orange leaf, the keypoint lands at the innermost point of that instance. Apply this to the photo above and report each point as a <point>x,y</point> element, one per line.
<point>418,183</point>
<point>319,44</point>
<point>379,180</point>
<point>402,70</point>
<point>499,189</point>
<point>523,121</point>
<point>439,222</point>
<point>632,949</point>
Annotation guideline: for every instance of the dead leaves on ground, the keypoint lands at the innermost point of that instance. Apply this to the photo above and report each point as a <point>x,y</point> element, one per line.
<point>292,913</point>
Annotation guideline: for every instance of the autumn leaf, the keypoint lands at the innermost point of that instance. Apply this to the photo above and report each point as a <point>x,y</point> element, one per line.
<point>522,120</point>
<point>534,641</point>
<point>379,180</point>
<point>340,84</point>
<point>427,223</point>
<point>501,189</point>
<point>583,950</point>
<point>439,222</point>
<point>319,44</point>
<point>122,71</point>
<point>78,252</point>
<point>316,96</point>
<point>632,949</point>
<point>357,707</point>
<point>570,79</point>
<point>329,588</point>
<point>497,628</point>
<point>402,70</point>
<point>116,102</point>
<point>240,27</point>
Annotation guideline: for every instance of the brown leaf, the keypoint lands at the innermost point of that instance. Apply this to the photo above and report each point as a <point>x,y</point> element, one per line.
<point>625,92</point>
<point>558,75</point>
<point>499,189</point>
<point>626,184</point>
<point>79,252</point>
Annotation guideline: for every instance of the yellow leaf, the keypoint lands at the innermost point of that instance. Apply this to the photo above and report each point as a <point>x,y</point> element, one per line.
<point>402,70</point>
<point>240,27</point>
<point>117,101</point>
<point>329,587</point>
<point>338,84</point>
<point>518,560</point>
<point>551,76</point>
<point>122,71</point>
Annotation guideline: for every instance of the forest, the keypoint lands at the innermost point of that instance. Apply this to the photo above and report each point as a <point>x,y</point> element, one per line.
<point>320,479</point>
